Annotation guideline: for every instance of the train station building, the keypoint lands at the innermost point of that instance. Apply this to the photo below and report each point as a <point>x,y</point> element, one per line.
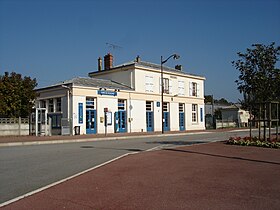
<point>123,98</point>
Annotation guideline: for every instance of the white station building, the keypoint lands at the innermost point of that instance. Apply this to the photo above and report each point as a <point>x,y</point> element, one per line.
<point>123,98</point>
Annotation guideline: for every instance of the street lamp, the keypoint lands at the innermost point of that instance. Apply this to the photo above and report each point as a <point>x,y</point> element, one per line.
<point>174,56</point>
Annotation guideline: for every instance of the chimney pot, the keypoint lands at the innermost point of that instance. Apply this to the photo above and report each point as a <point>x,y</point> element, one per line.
<point>138,59</point>
<point>99,64</point>
<point>179,67</point>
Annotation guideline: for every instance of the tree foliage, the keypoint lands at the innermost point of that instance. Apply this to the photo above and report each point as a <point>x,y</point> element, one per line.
<point>259,79</point>
<point>16,95</point>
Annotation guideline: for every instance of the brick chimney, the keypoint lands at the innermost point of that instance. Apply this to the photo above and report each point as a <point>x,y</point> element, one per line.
<point>108,61</point>
<point>99,64</point>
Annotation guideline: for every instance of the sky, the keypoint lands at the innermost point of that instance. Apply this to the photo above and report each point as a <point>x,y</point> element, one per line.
<point>56,40</point>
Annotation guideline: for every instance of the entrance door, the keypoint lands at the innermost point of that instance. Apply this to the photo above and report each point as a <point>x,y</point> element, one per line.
<point>90,121</point>
<point>150,121</point>
<point>120,122</point>
<point>166,121</point>
<point>182,121</point>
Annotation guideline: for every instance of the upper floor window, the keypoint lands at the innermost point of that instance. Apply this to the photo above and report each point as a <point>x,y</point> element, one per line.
<point>181,88</point>
<point>149,84</point>
<point>194,89</point>
<point>165,87</point>
<point>58,104</point>
<point>51,109</point>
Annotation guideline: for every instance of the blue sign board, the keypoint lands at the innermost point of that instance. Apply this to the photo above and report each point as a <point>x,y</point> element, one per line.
<point>106,92</point>
<point>158,104</point>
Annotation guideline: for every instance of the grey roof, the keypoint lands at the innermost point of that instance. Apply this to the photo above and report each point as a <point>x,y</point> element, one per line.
<point>92,82</point>
<point>151,65</point>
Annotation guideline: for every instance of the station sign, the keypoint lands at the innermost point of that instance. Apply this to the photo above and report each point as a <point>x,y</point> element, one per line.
<point>107,93</point>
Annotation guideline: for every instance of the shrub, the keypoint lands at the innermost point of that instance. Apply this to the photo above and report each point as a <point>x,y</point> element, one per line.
<point>254,141</point>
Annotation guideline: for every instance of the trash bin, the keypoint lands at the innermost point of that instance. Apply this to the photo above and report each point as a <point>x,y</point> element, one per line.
<point>77,130</point>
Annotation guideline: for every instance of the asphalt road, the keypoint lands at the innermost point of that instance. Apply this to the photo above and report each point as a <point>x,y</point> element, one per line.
<point>26,168</point>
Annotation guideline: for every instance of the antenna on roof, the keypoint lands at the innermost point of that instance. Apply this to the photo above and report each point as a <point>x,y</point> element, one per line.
<point>113,46</point>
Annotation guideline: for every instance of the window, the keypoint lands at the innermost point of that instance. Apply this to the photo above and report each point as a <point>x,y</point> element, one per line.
<point>165,107</point>
<point>194,89</point>
<point>51,105</point>
<point>121,104</point>
<point>149,106</point>
<point>43,104</point>
<point>56,120</point>
<point>181,107</point>
<point>165,85</point>
<point>194,112</point>
<point>181,88</point>
<point>81,113</point>
<point>58,104</point>
<point>90,105</point>
<point>201,114</point>
<point>149,84</point>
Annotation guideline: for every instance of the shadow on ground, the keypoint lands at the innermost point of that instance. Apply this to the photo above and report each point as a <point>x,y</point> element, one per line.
<point>222,156</point>
<point>126,149</point>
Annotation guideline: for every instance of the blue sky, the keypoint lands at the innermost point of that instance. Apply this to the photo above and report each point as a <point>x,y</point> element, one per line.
<point>55,40</point>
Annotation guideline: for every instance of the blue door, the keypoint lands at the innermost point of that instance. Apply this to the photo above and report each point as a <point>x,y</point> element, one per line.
<point>120,122</point>
<point>90,121</point>
<point>150,121</point>
<point>182,121</point>
<point>166,121</point>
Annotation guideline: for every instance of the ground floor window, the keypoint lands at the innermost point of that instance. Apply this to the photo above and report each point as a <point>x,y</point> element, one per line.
<point>56,120</point>
<point>194,113</point>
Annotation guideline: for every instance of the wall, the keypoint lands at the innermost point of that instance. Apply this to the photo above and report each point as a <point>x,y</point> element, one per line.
<point>14,127</point>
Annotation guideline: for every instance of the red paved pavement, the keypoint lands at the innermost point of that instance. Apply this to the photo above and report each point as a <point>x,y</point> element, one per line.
<point>205,176</point>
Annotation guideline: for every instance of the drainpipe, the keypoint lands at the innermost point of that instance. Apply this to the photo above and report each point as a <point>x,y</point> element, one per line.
<point>68,107</point>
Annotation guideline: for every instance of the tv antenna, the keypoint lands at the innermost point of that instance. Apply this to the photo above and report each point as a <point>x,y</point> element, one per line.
<point>113,46</point>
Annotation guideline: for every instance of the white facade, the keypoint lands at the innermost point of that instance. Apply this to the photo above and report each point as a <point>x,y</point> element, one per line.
<point>131,94</point>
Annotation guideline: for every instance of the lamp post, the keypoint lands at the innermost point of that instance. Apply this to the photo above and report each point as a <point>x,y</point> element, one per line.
<point>174,56</point>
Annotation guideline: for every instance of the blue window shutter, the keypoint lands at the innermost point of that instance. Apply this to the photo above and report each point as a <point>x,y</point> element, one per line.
<point>80,113</point>
<point>201,115</point>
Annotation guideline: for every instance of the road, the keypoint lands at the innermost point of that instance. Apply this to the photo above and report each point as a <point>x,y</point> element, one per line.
<point>26,168</point>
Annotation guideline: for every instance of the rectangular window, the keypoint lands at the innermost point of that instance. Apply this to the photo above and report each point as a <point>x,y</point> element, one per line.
<point>194,113</point>
<point>181,88</point>
<point>165,107</point>
<point>58,104</point>
<point>43,104</point>
<point>90,103</point>
<point>149,84</point>
<point>51,105</point>
<point>121,104</point>
<point>181,107</point>
<point>201,115</point>
<point>166,85</point>
<point>194,89</point>
<point>149,106</point>
<point>56,120</point>
<point>81,113</point>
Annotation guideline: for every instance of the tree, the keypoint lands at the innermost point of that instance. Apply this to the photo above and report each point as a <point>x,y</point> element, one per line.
<point>259,79</point>
<point>17,95</point>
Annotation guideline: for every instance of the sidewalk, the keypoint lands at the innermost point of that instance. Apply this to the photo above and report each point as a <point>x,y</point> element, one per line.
<point>201,176</point>
<point>29,140</point>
